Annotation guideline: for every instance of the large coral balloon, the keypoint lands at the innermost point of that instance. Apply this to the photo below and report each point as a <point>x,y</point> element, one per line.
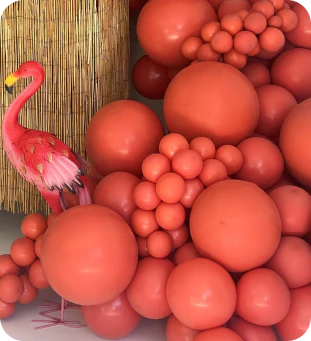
<point>232,220</point>
<point>194,103</point>
<point>121,135</point>
<point>295,141</point>
<point>162,39</point>
<point>89,255</point>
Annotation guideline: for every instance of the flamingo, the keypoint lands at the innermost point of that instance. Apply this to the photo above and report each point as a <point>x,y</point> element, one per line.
<point>38,156</point>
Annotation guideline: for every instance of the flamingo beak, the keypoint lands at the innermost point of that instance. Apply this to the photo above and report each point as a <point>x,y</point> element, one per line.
<point>10,81</point>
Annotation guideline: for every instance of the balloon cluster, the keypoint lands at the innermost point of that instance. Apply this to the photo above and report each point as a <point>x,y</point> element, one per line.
<point>240,34</point>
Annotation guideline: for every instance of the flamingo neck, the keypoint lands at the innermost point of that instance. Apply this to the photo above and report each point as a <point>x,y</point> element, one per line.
<point>10,125</point>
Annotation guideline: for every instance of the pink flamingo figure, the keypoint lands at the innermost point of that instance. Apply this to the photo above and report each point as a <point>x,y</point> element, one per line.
<point>40,157</point>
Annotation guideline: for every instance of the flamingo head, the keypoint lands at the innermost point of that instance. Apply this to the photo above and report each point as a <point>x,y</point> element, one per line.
<point>27,69</point>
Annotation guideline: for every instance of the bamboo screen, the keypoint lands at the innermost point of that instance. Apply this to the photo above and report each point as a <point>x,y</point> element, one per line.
<point>84,48</point>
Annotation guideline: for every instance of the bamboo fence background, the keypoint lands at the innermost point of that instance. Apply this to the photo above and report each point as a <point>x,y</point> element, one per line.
<point>84,48</point>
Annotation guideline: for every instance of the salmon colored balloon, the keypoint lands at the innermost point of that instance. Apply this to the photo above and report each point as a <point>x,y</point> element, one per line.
<point>301,35</point>
<point>292,71</point>
<point>213,171</point>
<point>51,218</point>
<point>184,253</point>
<point>235,59</point>
<point>154,166</point>
<point>11,288</point>
<point>145,196</point>
<point>292,262</point>
<point>190,47</point>
<point>38,246</point>
<point>147,291</point>
<point>194,188</point>
<point>243,13</point>
<point>172,144</point>
<point>232,6</point>
<point>222,231</point>
<point>177,331</point>
<point>218,334</point>
<point>251,332</point>
<point>170,216</point>
<point>162,40</point>
<point>231,157</point>
<point>294,142</point>
<point>170,188</point>
<point>207,53</point>
<point>142,247</point>
<point>187,296</point>
<point>245,42</point>
<point>264,7</point>
<point>187,163</point>
<point>263,162</point>
<point>115,191</point>
<point>294,206</point>
<point>255,22</point>
<point>112,320</point>
<point>275,104</point>
<point>143,222</point>
<point>222,42</point>
<point>275,21</point>
<point>193,108</point>
<point>179,236</point>
<point>96,254</point>
<point>232,23</point>
<point>278,4</point>
<point>30,292</point>
<point>121,135</point>
<point>263,297</point>
<point>289,20</point>
<point>33,225</point>
<point>37,277</point>
<point>209,29</point>
<point>272,39</point>
<point>149,78</point>
<point>297,321</point>
<point>6,309</point>
<point>7,266</point>
<point>23,251</point>
<point>159,244</point>
<point>204,146</point>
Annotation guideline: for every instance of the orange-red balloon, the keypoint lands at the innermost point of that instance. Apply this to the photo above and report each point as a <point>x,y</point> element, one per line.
<point>172,144</point>
<point>30,292</point>
<point>37,277</point>
<point>179,236</point>
<point>218,334</point>
<point>184,253</point>
<point>213,171</point>
<point>96,255</point>
<point>6,309</point>
<point>33,225</point>
<point>232,6</point>
<point>11,288</point>
<point>170,216</point>
<point>232,23</point>
<point>38,246</point>
<point>162,39</point>
<point>23,251</point>
<point>170,188</point>
<point>222,231</point>
<point>187,163</point>
<point>194,107</point>
<point>115,191</point>
<point>7,266</point>
<point>154,166</point>
<point>159,244</point>
<point>112,320</point>
<point>147,291</point>
<point>190,47</point>
<point>204,146</point>
<point>121,135</point>
<point>264,7</point>
<point>209,29</point>
<point>231,157</point>
<point>146,196</point>
<point>142,247</point>
<point>201,294</point>
<point>149,78</point>
<point>177,331</point>
<point>257,73</point>
<point>263,297</point>
<point>194,188</point>
<point>143,222</point>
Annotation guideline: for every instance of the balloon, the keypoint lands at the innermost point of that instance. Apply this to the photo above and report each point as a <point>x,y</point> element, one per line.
<point>249,331</point>
<point>11,288</point>
<point>294,206</point>
<point>245,42</point>
<point>297,321</point>
<point>112,320</point>
<point>115,191</point>
<point>204,146</point>
<point>7,266</point>
<point>154,166</point>
<point>292,262</point>
<point>143,222</point>
<point>146,292</point>
<point>149,78</point>
<point>201,294</point>
<point>145,196</point>
<point>294,141</point>
<point>6,309</point>
<point>96,255</point>
<point>235,59</point>
<point>231,157</point>
<point>301,35</point>
<point>177,331</point>
<point>263,162</point>
<point>184,253</point>
<point>207,53</point>
<point>38,246</point>
<point>142,247</point>
<point>263,297</point>
<point>190,47</point>
<point>37,277</point>
<point>121,135</point>
<point>170,216</point>
<point>222,42</point>
<point>195,108</point>
<point>232,23</point>
<point>187,163</point>
<point>159,244</point>
<point>172,144</point>
<point>209,29</point>
<point>179,236</point>
<point>292,71</point>
<point>51,218</point>
<point>213,171</point>
<point>23,251</point>
<point>162,39</point>
<point>275,21</point>
<point>257,73</point>
<point>33,225</point>
<point>170,188</point>
<point>232,6</point>
<point>289,20</point>
<point>255,22</point>
<point>218,334</point>
<point>275,104</point>
<point>264,7</point>
<point>222,231</point>
<point>194,188</point>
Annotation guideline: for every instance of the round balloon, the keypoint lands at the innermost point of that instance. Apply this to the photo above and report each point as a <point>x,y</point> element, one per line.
<point>96,255</point>
<point>177,331</point>
<point>218,334</point>
<point>195,108</point>
<point>222,231</point>
<point>121,135</point>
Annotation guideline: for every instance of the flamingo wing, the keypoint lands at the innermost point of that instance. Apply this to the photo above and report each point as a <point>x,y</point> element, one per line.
<point>47,162</point>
